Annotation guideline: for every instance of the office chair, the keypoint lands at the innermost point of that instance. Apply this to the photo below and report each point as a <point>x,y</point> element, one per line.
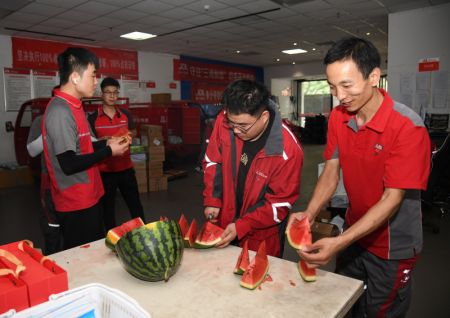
<point>437,196</point>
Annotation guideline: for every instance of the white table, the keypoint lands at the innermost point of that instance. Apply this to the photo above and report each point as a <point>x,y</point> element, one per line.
<point>205,286</point>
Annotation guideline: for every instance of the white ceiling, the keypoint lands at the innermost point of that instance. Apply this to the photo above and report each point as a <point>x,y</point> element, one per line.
<point>213,29</point>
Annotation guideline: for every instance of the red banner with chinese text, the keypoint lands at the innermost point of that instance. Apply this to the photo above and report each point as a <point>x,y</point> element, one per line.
<point>218,73</point>
<point>40,54</point>
<point>205,93</point>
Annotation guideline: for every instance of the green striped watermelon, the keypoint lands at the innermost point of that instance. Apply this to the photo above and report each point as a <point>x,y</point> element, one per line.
<point>152,252</point>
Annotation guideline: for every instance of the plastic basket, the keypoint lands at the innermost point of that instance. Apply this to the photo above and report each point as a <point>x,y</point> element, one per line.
<point>88,301</point>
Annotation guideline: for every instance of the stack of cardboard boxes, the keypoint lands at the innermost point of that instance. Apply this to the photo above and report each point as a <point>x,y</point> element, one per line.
<point>151,136</point>
<point>140,167</point>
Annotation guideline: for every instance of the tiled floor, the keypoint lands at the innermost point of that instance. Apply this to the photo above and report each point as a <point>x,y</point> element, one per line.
<point>431,296</point>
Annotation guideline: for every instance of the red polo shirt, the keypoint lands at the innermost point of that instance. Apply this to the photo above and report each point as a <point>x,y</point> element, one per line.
<point>118,125</point>
<point>391,151</point>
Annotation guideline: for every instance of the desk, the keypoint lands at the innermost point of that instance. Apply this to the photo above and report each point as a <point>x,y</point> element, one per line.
<point>205,286</point>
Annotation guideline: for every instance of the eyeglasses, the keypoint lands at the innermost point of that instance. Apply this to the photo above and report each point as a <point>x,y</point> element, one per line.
<point>116,93</point>
<point>241,127</point>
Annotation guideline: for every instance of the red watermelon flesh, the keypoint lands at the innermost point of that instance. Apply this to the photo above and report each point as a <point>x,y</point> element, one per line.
<point>256,272</point>
<point>189,237</point>
<point>208,236</point>
<point>116,233</point>
<point>308,274</point>
<point>299,233</point>
<point>243,260</point>
<point>184,225</point>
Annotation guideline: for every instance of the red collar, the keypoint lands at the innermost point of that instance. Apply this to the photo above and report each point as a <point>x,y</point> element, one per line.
<point>102,113</point>
<point>75,102</point>
<point>379,120</point>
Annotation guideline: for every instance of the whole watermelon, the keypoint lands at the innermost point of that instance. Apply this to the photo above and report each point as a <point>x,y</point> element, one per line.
<point>152,252</point>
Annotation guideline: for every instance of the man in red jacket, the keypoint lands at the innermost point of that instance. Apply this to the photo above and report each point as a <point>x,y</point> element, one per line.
<point>251,169</point>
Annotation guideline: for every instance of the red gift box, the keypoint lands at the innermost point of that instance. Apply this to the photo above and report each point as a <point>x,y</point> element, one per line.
<point>41,275</point>
<point>13,292</point>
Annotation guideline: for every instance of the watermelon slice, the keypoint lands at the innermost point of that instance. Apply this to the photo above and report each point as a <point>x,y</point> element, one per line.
<point>116,233</point>
<point>256,272</point>
<point>243,260</point>
<point>299,233</point>
<point>308,274</point>
<point>184,225</point>
<point>189,237</point>
<point>208,236</point>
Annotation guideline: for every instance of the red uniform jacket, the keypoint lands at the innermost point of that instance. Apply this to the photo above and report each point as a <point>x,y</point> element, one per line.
<point>272,184</point>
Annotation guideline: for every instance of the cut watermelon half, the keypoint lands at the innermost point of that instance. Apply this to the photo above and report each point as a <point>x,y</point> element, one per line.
<point>308,274</point>
<point>208,236</point>
<point>116,233</point>
<point>256,272</point>
<point>189,238</point>
<point>299,233</point>
<point>243,260</point>
<point>184,225</point>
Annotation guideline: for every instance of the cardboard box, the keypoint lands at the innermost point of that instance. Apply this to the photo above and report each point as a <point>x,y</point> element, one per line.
<point>321,229</point>
<point>16,177</point>
<point>155,169</point>
<point>151,130</point>
<point>141,170</point>
<point>157,184</point>
<point>41,276</point>
<point>161,98</point>
<point>157,153</point>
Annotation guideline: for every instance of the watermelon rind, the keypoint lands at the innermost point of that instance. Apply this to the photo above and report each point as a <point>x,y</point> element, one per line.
<point>307,274</point>
<point>260,260</point>
<point>243,260</point>
<point>184,225</point>
<point>152,252</point>
<point>208,236</point>
<point>114,234</point>
<point>191,234</point>
<point>299,234</point>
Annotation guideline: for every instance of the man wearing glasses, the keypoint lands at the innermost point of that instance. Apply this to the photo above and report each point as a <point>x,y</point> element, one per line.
<point>117,172</point>
<point>251,169</point>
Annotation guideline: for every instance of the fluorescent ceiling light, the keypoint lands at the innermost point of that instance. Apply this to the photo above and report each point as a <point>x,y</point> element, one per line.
<point>294,51</point>
<point>138,36</point>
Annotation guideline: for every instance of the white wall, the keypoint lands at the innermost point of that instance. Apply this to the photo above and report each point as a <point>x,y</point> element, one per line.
<point>7,153</point>
<point>152,66</point>
<point>414,35</point>
<point>159,68</point>
<point>297,71</point>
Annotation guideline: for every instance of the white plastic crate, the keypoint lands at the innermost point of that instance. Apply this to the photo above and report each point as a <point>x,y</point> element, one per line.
<point>88,301</point>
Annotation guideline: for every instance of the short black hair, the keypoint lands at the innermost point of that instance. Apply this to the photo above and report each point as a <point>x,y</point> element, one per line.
<point>109,81</point>
<point>245,96</point>
<point>362,52</point>
<point>75,59</point>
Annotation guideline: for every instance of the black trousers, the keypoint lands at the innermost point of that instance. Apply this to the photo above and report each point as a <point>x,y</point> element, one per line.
<point>126,182</point>
<point>50,224</point>
<point>81,226</point>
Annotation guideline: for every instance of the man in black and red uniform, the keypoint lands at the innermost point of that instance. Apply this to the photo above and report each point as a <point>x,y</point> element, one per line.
<point>117,172</point>
<point>70,154</point>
